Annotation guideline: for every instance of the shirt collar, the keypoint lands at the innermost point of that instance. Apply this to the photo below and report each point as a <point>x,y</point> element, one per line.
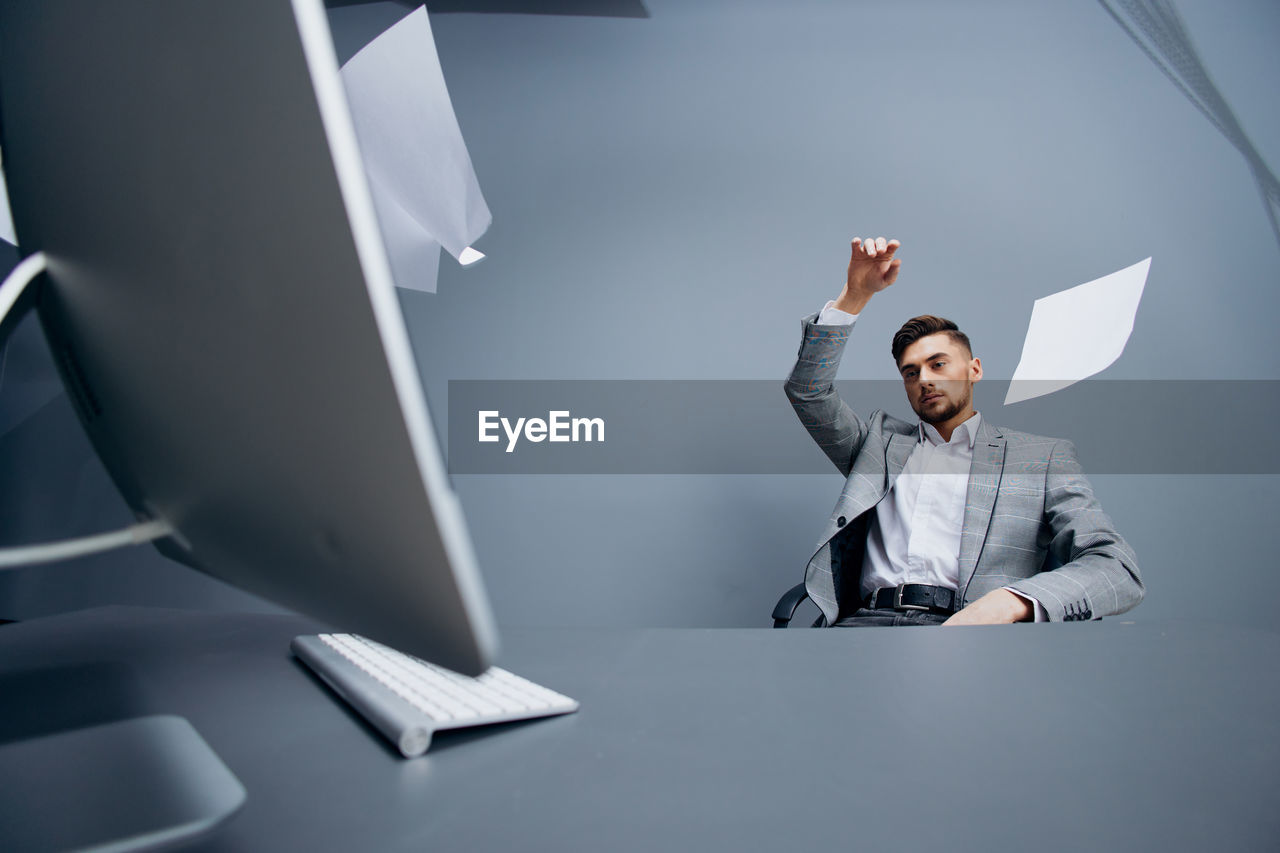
<point>968,430</point>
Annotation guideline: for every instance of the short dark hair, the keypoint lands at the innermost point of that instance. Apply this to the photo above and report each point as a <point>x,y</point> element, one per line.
<point>924,326</point>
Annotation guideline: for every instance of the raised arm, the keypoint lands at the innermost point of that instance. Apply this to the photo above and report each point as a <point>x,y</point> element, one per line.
<point>829,420</point>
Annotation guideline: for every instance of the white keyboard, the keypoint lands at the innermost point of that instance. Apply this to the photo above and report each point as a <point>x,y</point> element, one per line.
<point>408,699</point>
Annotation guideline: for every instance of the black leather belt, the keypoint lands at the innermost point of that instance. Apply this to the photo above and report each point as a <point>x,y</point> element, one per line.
<point>913,596</point>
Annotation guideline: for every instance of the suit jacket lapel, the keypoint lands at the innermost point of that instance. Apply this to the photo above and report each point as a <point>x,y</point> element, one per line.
<point>895,457</point>
<point>984,482</point>
<point>865,492</point>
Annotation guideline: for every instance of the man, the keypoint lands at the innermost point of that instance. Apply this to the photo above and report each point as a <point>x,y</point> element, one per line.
<point>950,520</point>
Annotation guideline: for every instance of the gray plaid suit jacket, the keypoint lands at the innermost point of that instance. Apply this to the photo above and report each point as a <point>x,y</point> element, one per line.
<point>1031,521</point>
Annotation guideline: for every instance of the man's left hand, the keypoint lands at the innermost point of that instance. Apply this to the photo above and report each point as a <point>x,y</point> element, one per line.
<point>998,607</point>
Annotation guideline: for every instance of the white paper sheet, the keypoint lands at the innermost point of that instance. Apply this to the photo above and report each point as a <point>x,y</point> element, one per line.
<point>424,186</point>
<point>1077,333</point>
<point>414,256</point>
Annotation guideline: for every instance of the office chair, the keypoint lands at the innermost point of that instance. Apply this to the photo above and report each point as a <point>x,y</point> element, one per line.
<point>786,608</point>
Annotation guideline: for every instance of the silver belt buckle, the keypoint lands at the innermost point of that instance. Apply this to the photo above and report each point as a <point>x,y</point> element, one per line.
<point>897,600</point>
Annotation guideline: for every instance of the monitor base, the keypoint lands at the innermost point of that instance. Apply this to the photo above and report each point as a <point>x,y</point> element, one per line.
<point>129,785</point>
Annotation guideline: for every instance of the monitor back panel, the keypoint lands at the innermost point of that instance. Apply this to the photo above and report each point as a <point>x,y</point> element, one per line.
<point>221,309</point>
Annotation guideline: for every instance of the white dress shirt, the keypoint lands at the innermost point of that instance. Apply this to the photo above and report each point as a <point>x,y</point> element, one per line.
<point>914,534</point>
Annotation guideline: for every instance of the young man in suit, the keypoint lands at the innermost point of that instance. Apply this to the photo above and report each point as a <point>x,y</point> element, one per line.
<point>948,520</point>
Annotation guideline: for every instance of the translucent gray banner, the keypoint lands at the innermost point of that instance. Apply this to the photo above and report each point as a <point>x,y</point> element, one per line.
<point>748,426</point>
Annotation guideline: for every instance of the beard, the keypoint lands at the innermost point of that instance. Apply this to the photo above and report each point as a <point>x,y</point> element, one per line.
<point>947,412</point>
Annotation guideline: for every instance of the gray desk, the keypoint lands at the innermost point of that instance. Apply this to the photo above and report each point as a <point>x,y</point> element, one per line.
<point>1061,737</point>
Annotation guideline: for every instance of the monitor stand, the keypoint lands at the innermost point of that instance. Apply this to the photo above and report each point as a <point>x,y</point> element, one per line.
<point>135,784</point>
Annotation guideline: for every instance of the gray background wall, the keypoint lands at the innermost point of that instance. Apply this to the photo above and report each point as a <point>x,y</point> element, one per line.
<point>672,193</point>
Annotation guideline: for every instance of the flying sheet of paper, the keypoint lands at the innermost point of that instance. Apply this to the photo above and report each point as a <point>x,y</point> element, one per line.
<point>414,256</point>
<point>1077,333</point>
<point>420,174</point>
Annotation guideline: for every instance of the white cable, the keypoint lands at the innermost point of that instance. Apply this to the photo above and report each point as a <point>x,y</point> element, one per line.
<point>20,276</point>
<point>27,555</point>
<point>48,552</point>
<point>17,280</point>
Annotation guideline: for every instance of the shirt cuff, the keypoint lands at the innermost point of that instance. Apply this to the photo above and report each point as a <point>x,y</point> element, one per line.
<point>830,315</point>
<point>1041,615</point>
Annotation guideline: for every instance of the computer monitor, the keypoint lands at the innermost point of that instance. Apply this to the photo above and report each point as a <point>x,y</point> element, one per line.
<point>222,312</point>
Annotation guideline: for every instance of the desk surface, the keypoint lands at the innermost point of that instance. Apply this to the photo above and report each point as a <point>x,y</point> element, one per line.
<point>1059,737</point>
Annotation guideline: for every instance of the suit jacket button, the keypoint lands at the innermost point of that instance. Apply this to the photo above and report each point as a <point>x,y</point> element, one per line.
<point>840,521</point>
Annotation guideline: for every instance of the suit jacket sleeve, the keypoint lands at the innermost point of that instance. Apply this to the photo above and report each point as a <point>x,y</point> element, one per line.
<point>811,390</point>
<point>1097,573</point>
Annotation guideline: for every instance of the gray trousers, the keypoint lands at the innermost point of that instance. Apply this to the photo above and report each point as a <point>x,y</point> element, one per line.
<point>865,617</point>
